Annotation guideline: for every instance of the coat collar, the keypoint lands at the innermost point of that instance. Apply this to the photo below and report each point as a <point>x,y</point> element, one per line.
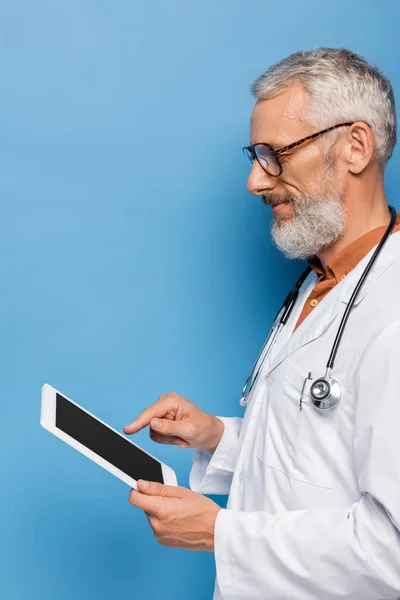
<point>344,261</point>
<point>322,316</point>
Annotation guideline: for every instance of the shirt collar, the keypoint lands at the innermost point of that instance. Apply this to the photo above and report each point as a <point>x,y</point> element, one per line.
<point>344,261</point>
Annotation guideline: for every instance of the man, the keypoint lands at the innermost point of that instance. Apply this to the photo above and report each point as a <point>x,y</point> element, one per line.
<point>314,495</point>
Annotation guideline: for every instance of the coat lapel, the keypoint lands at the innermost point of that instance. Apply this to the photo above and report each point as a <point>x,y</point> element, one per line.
<point>311,328</point>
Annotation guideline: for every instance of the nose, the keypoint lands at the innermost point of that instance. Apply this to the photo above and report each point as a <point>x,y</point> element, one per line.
<point>260,181</point>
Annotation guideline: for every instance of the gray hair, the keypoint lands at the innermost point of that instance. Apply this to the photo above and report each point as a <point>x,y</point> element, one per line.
<point>341,86</point>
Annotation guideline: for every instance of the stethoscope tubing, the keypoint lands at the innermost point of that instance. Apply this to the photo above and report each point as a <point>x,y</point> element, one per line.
<point>279,322</point>
<point>335,346</point>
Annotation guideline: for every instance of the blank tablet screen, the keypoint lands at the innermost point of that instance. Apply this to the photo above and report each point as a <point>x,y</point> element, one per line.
<point>106,443</point>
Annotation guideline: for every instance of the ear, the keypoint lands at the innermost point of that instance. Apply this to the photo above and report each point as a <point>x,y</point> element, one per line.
<point>361,145</point>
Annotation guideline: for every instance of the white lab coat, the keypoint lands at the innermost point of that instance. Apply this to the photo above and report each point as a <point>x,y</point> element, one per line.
<point>314,497</point>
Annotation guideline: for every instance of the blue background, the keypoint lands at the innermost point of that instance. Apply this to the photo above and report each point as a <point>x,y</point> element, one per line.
<point>134,262</point>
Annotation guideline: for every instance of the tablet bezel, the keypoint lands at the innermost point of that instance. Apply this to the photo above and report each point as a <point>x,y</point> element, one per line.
<point>48,421</point>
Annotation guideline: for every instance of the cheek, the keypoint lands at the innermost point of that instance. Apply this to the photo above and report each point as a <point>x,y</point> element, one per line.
<point>313,181</point>
<point>304,171</point>
<point>294,183</point>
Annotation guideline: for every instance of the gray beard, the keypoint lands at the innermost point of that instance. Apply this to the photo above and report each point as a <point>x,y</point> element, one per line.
<point>319,220</point>
<point>317,225</point>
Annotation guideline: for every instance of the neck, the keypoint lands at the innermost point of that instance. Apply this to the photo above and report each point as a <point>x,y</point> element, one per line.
<point>366,209</point>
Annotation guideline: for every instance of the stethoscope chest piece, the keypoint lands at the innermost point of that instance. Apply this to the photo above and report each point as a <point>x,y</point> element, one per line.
<point>324,393</point>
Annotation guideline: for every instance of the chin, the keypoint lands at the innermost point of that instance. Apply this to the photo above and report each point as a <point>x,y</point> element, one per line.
<point>283,217</point>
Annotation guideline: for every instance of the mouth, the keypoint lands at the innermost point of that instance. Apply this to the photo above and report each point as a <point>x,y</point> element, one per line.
<point>273,204</point>
<point>279,206</point>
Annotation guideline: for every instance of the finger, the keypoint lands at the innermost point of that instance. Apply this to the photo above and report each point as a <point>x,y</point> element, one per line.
<point>154,488</point>
<point>180,429</point>
<point>168,439</point>
<point>149,504</point>
<point>158,409</point>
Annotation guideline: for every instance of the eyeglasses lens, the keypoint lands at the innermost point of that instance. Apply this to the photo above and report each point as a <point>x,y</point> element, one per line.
<point>265,158</point>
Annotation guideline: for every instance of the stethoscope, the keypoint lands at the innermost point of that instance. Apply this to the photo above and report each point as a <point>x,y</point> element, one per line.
<point>325,392</point>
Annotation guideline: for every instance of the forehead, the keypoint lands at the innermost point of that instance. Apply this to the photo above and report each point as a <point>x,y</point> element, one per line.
<point>279,120</point>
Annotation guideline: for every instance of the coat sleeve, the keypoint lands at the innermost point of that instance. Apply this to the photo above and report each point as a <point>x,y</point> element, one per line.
<point>348,553</point>
<point>212,473</point>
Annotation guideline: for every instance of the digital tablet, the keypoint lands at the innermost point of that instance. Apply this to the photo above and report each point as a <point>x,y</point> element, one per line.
<point>100,442</point>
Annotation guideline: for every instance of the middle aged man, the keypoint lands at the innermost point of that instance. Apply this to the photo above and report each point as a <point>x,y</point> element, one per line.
<point>314,493</point>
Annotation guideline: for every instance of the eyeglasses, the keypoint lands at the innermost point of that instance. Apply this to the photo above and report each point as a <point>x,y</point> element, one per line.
<point>267,157</point>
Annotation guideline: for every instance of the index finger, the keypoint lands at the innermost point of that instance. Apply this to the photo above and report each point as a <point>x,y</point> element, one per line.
<point>158,409</point>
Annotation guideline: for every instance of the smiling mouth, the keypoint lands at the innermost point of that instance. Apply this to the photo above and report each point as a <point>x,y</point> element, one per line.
<point>275,203</point>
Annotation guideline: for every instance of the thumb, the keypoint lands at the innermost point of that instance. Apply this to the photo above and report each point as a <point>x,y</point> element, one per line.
<point>154,488</point>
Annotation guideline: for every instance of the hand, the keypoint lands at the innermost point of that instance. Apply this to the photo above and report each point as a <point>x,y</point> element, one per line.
<point>179,517</point>
<point>175,420</point>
